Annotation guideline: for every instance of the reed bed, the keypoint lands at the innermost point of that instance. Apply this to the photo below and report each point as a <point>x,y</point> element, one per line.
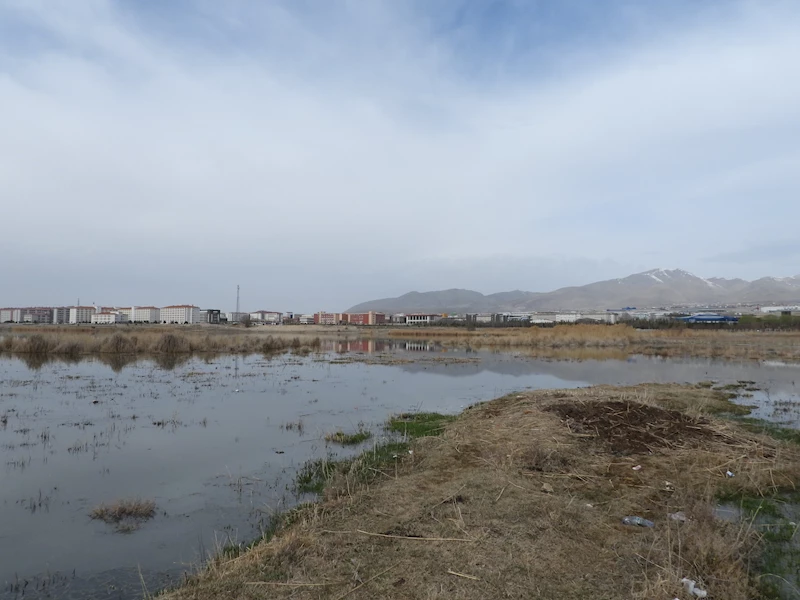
<point>68,343</point>
<point>752,345</point>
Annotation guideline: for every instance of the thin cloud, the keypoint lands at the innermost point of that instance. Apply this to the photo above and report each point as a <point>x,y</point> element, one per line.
<point>274,145</point>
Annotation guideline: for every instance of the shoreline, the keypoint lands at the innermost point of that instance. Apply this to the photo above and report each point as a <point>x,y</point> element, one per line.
<point>523,496</point>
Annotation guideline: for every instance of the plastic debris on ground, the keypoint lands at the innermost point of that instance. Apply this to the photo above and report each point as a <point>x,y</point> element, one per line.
<point>637,468</point>
<point>690,585</point>
<point>639,521</point>
<point>729,473</point>
<point>678,516</point>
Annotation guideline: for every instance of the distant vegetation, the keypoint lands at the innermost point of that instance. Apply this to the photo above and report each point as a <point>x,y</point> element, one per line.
<point>156,341</point>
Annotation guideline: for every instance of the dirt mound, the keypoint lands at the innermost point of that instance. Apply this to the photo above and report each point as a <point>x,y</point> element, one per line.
<point>633,428</point>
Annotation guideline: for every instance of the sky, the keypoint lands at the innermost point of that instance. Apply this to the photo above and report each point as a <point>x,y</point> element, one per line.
<point>321,153</point>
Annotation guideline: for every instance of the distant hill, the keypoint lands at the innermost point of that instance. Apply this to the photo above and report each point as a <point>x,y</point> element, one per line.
<point>654,288</point>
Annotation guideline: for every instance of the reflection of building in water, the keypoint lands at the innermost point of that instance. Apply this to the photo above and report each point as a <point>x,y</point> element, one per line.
<point>420,346</point>
<point>364,346</point>
<point>371,346</point>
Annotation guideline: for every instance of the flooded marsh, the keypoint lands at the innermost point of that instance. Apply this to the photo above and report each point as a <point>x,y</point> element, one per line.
<point>215,444</point>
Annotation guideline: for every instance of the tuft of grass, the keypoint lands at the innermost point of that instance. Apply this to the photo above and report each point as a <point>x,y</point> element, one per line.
<point>348,439</point>
<point>314,475</point>
<point>125,515</point>
<point>421,424</point>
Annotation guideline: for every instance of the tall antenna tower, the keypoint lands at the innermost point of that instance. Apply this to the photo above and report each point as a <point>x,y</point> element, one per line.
<point>237,300</point>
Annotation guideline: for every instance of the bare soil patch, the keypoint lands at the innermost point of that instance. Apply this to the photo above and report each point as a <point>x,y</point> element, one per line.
<point>630,428</point>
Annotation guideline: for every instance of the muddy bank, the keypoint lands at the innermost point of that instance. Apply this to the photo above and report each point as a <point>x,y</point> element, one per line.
<point>523,497</point>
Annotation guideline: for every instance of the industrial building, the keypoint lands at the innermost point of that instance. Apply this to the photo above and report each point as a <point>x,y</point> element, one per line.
<point>709,318</point>
<point>421,319</point>
<point>267,317</point>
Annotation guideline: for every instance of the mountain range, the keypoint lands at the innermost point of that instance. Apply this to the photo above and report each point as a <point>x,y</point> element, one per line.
<point>656,288</point>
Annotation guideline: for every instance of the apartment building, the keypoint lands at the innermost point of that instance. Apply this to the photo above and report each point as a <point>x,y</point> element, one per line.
<point>60,315</point>
<point>326,318</point>
<point>146,314</point>
<point>37,314</point>
<point>180,313</point>
<point>108,318</point>
<point>368,318</point>
<point>80,314</point>
<point>10,315</point>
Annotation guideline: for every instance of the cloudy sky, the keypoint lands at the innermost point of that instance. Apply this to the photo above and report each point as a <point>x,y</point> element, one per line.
<point>324,152</point>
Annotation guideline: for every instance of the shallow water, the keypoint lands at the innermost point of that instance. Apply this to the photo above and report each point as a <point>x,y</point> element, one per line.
<point>216,445</point>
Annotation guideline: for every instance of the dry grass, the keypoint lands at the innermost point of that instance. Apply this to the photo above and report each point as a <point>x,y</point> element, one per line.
<point>718,343</point>
<point>125,515</point>
<point>579,342</point>
<point>156,340</point>
<point>515,501</point>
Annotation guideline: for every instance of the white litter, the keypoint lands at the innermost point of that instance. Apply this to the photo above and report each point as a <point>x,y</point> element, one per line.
<point>729,473</point>
<point>690,585</point>
<point>678,516</point>
<point>637,468</point>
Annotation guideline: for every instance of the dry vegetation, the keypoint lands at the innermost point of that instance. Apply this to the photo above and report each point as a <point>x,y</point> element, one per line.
<point>76,342</point>
<point>522,497</point>
<point>717,343</point>
<point>125,515</point>
<point>581,341</point>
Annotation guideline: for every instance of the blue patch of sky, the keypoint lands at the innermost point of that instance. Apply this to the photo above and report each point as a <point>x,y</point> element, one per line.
<point>487,40</point>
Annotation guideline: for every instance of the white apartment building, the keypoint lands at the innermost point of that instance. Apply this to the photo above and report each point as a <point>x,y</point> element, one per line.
<point>146,314</point>
<point>10,315</point>
<point>108,318</point>
<point>60,315</point>
<point>306,319</point>
<point>81,314</point>
<point>180,313</point>
<point>235,317</point>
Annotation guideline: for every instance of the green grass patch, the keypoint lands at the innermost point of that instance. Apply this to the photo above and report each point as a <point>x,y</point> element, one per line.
<point>348,439</point>
<point>422,424</point>
<point>776,432</point>
<point>751,506</point>
<point>314,475</point>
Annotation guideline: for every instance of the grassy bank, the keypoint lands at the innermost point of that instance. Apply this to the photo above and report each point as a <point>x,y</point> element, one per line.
<point>523,497</point>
